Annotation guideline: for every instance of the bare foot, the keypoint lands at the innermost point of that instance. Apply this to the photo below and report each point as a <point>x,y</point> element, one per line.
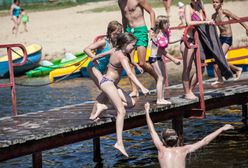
<point>134,94</point>
<point>164,102</point>
<point>217,83</point>
<point>121,149</point>
<point>238,74</point>
<point>99,109</point>
<point>190,96</point>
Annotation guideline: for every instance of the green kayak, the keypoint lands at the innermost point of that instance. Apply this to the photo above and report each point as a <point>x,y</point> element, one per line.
<point>55,64</point>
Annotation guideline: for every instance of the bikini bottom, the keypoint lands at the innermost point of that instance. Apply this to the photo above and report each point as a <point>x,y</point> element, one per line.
<point>105,79</point>
<point>154,59</point>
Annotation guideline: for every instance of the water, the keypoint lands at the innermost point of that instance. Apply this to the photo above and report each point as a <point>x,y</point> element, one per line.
<point>229,150</point>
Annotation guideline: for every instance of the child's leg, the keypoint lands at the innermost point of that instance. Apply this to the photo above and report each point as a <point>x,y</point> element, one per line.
<point>158,67</point>
<point>25,26</point>
<point>112,93</point>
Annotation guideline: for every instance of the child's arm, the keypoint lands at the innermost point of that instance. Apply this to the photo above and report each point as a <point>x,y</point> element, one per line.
<point>125,64</point>
<point>155,138</point>
<point>104,54</point>
<point>233,16</point>
<point>170,57</point>
<point>93,46</point>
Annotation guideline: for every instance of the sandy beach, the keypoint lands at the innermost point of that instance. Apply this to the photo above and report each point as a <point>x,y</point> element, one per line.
<point>72,29</point>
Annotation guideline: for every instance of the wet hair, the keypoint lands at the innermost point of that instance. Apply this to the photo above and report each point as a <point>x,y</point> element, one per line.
<point>169,137</point>
<point>124,39</point>
<point>113,26</point>
<point>159,23</point>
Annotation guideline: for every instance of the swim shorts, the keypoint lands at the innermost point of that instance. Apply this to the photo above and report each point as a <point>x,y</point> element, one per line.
<point>227,40</point>
<point>141,35</point>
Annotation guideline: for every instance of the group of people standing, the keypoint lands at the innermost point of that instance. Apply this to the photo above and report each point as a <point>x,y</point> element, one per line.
<point>114,52</point>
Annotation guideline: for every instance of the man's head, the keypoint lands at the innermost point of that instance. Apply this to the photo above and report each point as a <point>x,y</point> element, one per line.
<point>169,137</point>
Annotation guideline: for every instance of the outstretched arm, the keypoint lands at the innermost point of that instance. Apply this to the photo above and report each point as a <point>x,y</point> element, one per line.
<point>104,54</point>
<point>231,15</point>
<point>155,138</point>
<point>130,74</point>
<point>208,139</point>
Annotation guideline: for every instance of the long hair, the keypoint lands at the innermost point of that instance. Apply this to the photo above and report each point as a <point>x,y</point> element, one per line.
<point>159,23</point>
<point>113,26</point>
<point>201,7</point>
<point>124,39</point>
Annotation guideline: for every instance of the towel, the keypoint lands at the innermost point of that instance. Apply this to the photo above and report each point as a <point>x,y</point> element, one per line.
<point>210,47</point>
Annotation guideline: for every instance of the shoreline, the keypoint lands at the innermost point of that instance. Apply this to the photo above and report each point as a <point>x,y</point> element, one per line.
<point>71,30</point>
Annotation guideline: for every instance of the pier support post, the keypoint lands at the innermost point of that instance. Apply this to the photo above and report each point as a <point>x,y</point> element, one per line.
<point>244,113</point>
<point>177,125</point>
<point>97,150</point>
<point>37,160</point>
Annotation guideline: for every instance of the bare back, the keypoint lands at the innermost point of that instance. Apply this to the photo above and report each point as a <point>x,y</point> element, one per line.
<point>133,12</point>
<point>173,157</point>
<point>225,30</point>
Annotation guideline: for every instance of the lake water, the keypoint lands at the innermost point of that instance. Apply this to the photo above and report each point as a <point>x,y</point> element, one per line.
<point>229,150</point>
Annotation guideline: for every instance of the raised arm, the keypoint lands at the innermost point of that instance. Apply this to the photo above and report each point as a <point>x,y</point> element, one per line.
<point>233,16</point>
<point>127,68</point>
<point>207,139</point>
<point>89,50</point>
<point>155,138</point>
<point>103,54</point>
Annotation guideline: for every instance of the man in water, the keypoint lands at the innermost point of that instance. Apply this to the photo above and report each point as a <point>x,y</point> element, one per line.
<point>169,154</point>
<point>134,22</point>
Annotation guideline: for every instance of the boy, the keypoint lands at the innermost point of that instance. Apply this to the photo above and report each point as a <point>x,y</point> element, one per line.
<point>169,154</point>
<point>226,40</point>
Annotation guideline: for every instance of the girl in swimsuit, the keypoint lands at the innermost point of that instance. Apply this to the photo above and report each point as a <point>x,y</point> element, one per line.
<point>225,37</point>
<point>119,59</point>
<point>15,12</point>
<point>195,15</point>
<point>158,46</point>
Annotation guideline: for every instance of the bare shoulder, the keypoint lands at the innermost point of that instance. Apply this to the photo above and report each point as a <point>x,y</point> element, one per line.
<point>227,12</point>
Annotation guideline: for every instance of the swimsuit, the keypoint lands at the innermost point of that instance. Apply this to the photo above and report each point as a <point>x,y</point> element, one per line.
<point>103,62</point>
<point>105,79</point>
<point>24,18</point>
<point>115,67</point>
<point>141,35</point>
<point>227,40</point>
<point>16,11</point>
<point>154,59</point>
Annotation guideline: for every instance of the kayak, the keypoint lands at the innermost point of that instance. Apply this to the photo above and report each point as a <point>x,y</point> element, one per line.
<point>34,53</point>
<point>56,64</point>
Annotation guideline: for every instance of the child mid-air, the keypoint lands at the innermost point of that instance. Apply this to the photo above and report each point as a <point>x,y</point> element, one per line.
<point>221,15</point>
<point>158,46</point>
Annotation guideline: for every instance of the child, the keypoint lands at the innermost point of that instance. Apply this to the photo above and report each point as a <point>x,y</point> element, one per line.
<point>100,46</point>
<point>119,59</point>
<point>221,15</point>
<point>171,155</point>
<point>181,13</point>
<point>24,19</point>
<point>159,43</point>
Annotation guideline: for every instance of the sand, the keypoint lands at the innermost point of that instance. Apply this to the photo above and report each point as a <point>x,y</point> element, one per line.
<point>72,29</point>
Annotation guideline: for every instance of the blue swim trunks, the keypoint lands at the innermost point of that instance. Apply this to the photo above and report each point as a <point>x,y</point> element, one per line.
<point>227,40</point>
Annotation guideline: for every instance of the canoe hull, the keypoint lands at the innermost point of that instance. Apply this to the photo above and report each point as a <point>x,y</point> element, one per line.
<point>32,62</point>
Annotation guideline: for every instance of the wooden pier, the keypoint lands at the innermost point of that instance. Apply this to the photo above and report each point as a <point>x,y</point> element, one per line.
<point>33,133</point>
